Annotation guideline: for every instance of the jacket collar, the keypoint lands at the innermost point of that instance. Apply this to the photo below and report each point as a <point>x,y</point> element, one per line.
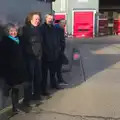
<point>51,25</point>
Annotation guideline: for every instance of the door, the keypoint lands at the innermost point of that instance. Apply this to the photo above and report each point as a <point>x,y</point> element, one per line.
<point>59,16</point>
<point>83,25</point>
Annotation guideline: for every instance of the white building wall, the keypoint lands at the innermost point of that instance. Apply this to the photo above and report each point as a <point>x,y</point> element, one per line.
<point>59,6</point>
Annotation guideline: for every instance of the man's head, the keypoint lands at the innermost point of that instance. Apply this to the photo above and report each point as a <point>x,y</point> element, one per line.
<point>62,23</point>
<point>49,19</point>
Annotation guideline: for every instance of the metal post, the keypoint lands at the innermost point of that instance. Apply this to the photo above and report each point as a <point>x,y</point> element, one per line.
<point>67,7</point>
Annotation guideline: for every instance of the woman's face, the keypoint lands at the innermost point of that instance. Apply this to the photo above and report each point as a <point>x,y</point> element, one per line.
<point>13,32</point>
<point>35,20</point>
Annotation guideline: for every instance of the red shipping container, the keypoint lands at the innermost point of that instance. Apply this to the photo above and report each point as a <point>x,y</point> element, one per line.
<point>117,26</point>
<point>103,26</point>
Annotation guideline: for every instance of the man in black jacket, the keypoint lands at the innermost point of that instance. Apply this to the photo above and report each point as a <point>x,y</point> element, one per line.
<point>51,50</point>
<point>60,25</point>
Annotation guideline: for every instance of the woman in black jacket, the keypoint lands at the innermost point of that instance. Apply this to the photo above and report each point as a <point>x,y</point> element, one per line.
<point>32,48</point>
<point>12,66</point>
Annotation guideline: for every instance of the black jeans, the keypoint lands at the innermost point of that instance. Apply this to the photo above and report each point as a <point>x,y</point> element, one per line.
<point>15,98</point>
<point>33,85</point>
<point>59,71</point>
<point>59,68</point>
<point>51,67</point>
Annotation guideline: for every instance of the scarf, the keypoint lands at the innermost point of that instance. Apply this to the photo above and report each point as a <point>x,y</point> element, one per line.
<point>16,39</point>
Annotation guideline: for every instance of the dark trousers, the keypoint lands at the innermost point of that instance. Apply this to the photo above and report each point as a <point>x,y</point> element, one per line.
<point>59,70</point>
<point>15,98</point>
<point>51,67</point>
<point>33,85</point>
<point>14,95</point>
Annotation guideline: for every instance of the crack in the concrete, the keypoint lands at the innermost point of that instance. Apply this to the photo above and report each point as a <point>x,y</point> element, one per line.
<point>78,116</point>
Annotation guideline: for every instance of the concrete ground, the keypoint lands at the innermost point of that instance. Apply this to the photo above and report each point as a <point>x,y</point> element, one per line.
<point>97,98</point>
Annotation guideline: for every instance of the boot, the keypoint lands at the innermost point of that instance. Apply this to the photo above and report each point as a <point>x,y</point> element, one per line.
<point>15,99</point>
<point>60,79</point>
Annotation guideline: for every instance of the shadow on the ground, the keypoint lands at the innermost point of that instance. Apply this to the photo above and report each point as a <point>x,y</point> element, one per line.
<point>96,56</point>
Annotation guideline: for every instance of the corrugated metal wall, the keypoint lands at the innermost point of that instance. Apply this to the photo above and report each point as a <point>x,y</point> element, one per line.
<point>16,10</point>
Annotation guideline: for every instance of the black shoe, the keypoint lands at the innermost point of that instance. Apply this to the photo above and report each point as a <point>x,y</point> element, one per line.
<point>57,87</point>
<point>34,97</point>
<point>14,111</point>
<point>26,103</point>
<point>62,82</point>
<point>45,93</point>
<point>25,107</point>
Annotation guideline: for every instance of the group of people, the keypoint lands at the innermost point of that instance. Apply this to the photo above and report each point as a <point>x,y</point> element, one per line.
<point>27,58</point>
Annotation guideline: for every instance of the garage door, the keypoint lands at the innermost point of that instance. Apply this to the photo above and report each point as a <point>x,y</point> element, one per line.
<point>83,25</point>
<point>59,16</point>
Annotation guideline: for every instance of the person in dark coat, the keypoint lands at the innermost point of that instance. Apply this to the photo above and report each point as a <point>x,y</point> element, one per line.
<point>51,50</point>
<point>12,65</point>
<point>32,47</point>
<point>60,25</point>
